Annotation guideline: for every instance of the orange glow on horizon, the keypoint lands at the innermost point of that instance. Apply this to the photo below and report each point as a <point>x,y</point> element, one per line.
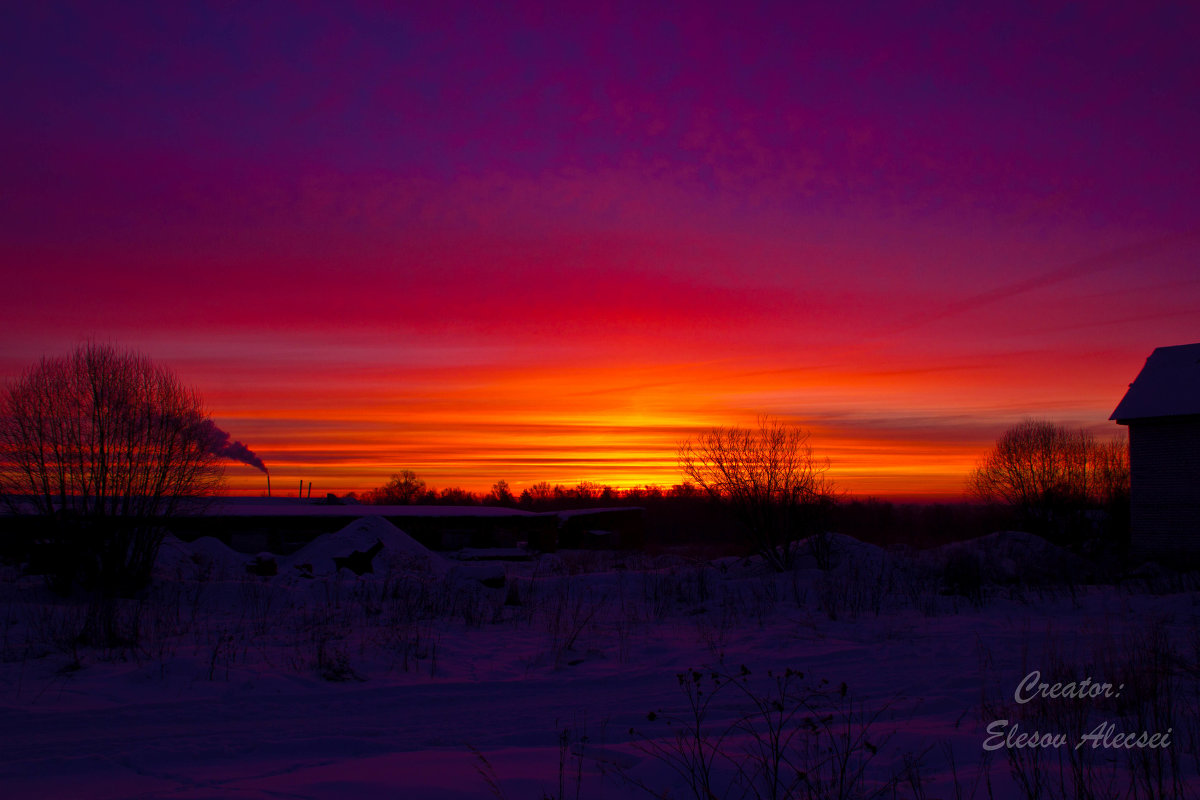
<point>512,246</point>
<point>618,427</point>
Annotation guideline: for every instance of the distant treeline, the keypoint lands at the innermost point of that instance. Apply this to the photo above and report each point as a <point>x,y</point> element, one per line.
<point>682,514</point>
<point>405,488</point>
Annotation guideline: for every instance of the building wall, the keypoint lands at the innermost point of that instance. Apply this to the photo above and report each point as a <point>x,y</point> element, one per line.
<point>1164,455</point>
<point>285,534</point>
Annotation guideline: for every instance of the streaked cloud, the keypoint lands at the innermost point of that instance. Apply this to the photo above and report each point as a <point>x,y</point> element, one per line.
<point>550,243</point>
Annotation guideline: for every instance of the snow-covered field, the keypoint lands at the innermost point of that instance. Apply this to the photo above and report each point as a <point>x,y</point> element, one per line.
<point>600,675</point>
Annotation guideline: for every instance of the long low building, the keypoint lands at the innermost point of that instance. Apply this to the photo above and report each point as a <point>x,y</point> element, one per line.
<point>281,525</point>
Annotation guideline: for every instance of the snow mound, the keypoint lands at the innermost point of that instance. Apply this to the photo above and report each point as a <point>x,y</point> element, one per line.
<point>205,557</point>
<point>174,556</point>
<point>1014,557</point>
<point>490,574</point>
<point>400,553</point>
<point>839,551</point>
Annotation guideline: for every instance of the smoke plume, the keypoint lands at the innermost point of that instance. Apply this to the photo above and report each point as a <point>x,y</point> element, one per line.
<point>218,443</point>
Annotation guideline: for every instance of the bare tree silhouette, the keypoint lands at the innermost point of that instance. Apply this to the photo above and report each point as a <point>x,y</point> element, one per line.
<point>501,494</point>
<point>1049,475</point>
<point>104,446</point>
<point>404,488</point>
<point>769,478</point>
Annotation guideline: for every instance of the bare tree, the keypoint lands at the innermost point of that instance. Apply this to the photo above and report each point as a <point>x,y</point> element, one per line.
<point>457,496</point>
<point>1049,475</point>
<point>501,494</point>
<point>103,446</point>
<point>404,488</point>
<point>768,477</point>
<point>1110,481</point>
<point>537,494</point>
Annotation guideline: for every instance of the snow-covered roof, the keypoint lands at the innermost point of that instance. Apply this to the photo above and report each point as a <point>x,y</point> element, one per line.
<point>237,507</point>
<point>1167,386</point>
<point>582,512</point>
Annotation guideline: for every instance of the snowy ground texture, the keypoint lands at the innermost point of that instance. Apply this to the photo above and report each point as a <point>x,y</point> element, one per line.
<point>598,675</point>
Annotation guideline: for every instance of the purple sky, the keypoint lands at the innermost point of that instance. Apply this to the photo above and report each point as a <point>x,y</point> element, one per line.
<point>546,243</point>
